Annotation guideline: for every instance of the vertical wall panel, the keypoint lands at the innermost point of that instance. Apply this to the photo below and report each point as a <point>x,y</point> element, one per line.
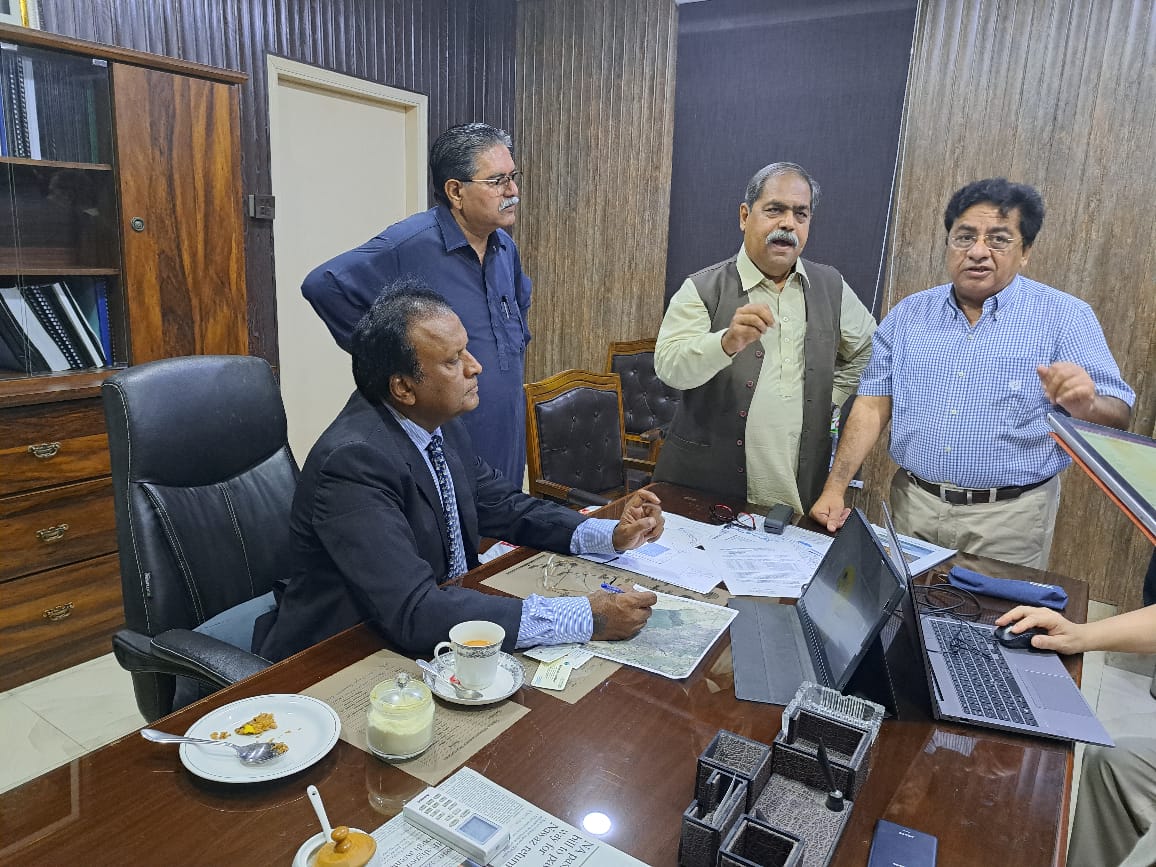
<point>595,90</point>
<point>815,82</point>
<point>459,52</point>
<point>1058,94</point>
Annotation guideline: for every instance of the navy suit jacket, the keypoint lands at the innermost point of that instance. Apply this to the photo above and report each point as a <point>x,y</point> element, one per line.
<point>369,541</point>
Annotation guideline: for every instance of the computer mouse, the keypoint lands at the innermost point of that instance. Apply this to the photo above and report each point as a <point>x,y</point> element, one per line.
<point>1020,641</point>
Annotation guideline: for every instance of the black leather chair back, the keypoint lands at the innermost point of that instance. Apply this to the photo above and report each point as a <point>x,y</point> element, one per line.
<point>647,401</point>
<point>203,481</point>
<point>580,439</point>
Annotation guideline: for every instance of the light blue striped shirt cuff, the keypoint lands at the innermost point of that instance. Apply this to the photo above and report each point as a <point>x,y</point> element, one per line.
<point>561,620</point>
<point>594,536</point>
<point>566,619</point>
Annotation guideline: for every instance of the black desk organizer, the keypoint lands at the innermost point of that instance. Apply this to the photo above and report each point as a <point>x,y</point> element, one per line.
<point>784,820</point>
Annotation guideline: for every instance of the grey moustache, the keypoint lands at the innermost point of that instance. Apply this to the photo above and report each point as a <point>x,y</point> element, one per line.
<point>783,235</point>
<point>508,203</point>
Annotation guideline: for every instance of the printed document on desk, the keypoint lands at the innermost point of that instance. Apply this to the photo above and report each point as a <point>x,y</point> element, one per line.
<point>675,557</point>
<point>755,563</point>
<point>920,555</point>
<point>537,839</point>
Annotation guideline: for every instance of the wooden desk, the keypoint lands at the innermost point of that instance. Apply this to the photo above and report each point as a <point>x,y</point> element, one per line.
<point>627,749</point>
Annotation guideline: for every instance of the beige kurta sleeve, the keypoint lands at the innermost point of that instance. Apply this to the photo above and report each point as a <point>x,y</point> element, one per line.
<point>687,353</point>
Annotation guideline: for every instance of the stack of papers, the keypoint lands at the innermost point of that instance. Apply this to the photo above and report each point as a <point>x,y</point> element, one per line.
<point>698,556</point>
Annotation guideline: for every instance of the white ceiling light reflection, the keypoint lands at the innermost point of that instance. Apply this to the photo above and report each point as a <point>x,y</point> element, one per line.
<point>596,823</point>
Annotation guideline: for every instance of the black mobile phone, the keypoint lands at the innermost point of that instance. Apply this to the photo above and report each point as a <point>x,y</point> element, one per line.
<point>896,844</point>
<point>778,517</point>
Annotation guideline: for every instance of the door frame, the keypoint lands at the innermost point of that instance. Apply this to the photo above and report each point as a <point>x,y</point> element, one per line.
<point>415,105</point>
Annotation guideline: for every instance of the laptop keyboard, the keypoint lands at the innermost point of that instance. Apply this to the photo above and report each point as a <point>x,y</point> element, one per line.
<point>982,679</point>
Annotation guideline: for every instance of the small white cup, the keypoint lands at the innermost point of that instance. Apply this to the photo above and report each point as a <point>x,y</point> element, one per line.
<point>477,645</point>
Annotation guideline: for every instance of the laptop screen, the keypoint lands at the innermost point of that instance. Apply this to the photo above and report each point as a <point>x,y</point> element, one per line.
<point>854,590</point>
<point>895,547</point>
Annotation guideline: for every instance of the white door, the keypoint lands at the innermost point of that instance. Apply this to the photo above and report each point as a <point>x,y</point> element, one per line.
<point>348,158</point>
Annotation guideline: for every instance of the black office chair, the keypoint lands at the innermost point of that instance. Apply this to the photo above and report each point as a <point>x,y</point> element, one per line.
<point>647,401</point>
<point>203,480</point>
<point>575,443</point>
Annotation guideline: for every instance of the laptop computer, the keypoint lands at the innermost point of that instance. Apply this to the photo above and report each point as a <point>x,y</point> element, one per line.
<point>974,679</point>
<point>823,637</point>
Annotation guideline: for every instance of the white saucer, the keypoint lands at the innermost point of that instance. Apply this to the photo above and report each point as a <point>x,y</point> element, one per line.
<point>507,681</point>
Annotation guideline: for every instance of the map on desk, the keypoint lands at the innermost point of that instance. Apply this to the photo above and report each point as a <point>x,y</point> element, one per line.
<point>684,624</point>
<point>677,636</point>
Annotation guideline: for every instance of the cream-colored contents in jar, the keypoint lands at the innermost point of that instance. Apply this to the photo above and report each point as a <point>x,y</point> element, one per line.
<point>391,734</point>
<point>400,718</point>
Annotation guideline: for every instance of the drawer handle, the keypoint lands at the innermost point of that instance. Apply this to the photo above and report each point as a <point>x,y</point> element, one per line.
<point>58,612</point>
<point>52,534</point>
<point>44,451</point>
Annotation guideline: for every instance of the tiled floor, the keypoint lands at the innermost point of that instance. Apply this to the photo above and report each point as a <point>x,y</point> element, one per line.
<point>69,713</point>
<point>64,716</point>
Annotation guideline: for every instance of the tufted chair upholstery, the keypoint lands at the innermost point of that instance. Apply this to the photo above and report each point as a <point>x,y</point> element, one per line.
<point>575,439</point>
<point>202,482</point>
<point>648,402</point>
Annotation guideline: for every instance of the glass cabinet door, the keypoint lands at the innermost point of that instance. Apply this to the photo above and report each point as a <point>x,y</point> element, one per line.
<point>61,306</point>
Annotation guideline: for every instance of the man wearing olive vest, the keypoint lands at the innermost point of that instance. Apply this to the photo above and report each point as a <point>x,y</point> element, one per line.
<point>762,345</point>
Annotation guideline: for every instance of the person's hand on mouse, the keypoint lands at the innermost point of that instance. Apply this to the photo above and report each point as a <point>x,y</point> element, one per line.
<point>1063,635</point>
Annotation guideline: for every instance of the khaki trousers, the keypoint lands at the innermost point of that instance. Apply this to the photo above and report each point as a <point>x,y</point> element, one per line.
<point>1016,531</point>
<point>1115,824</point>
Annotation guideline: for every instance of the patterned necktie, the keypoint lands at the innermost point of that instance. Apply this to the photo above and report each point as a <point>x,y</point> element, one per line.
<point>437,457</point>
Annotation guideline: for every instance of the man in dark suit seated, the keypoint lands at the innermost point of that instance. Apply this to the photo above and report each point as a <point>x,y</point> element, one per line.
<point>392,501</point>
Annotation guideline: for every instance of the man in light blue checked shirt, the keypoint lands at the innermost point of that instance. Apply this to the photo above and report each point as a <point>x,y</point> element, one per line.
<point>965,374</point>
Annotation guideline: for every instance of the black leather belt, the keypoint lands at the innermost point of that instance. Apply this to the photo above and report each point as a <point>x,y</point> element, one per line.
<point>966,497</point>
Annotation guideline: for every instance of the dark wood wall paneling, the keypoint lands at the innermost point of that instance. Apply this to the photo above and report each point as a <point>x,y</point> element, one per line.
<point>459,52</point>
<point>1058,94</point>
<point>595,90</point>
<point>815,82</point>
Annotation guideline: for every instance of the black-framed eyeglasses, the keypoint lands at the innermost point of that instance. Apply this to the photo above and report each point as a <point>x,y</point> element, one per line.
<point>997,241</point>
<point>721,513</point>
<point>498,183</point>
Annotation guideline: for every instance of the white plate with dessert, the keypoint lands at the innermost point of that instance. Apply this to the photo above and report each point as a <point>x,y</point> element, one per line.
<point>306,727</point>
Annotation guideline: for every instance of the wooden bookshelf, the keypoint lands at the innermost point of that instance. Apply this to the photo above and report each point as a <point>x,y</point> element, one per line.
<point>153,275</point>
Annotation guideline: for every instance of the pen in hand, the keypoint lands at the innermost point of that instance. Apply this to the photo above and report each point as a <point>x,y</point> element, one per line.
<point>610,588</point>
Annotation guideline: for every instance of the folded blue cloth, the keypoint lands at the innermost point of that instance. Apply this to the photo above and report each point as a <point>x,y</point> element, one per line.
<point>1024,592</point>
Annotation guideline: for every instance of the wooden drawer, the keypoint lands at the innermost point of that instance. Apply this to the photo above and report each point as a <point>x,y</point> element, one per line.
<point>57,619</point>
<point>52,444</point>
<point>32,534</point>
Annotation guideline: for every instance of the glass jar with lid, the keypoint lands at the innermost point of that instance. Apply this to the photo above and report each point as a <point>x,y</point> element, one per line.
<point>401,718</point>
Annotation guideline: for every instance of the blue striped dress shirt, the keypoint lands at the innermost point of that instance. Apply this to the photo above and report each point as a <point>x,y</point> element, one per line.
<point>967,406</point>
<point>559,620</point>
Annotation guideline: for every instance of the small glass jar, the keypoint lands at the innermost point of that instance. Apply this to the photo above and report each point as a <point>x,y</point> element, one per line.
<point>401,718</point>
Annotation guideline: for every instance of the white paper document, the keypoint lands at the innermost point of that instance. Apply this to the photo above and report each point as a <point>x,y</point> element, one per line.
<point>920,555</point>
<point>755,563</point>
<point>537,839</point>
<point>676,557</point>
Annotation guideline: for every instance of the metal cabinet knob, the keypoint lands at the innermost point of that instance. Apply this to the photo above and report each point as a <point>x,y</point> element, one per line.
<point>138,224</point>
<point>44,451</point>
